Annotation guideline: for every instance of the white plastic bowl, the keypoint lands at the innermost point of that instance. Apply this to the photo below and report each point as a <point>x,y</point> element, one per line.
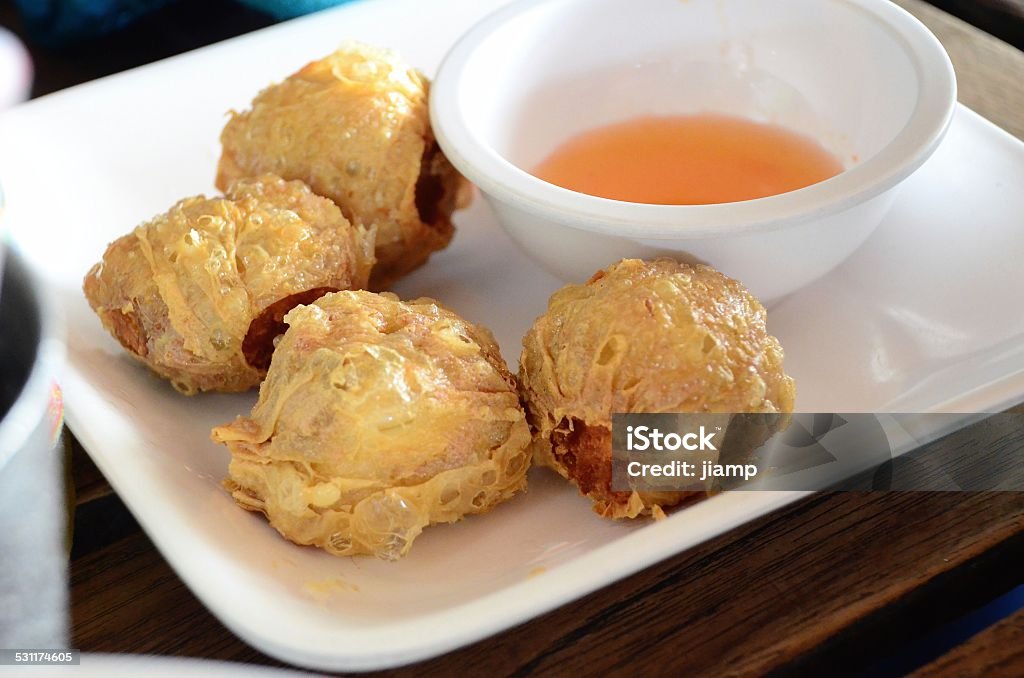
<point>863,77</point>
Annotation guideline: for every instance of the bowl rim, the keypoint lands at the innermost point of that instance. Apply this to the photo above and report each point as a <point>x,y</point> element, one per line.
<point>499,178</point>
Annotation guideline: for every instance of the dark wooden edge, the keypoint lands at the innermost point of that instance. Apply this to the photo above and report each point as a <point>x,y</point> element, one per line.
<point>996,651</point>
<point>950,595</point>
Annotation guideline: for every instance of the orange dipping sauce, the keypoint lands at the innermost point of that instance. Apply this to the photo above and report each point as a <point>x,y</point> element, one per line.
<point>688,160</point>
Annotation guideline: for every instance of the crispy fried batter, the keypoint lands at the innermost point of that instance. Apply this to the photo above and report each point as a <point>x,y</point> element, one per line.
<point>378,418</point>
<point>355,127</point>
<point>194,292</point>
<point>656,336</point>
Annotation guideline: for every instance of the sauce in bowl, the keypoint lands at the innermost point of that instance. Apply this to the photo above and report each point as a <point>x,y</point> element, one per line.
<point>688,160</point>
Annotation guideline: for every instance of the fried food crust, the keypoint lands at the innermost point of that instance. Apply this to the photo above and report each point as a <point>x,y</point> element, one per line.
<point>657,336</point>
<point>377,418</point>
<point>355,127</point>
<point>195,292</point>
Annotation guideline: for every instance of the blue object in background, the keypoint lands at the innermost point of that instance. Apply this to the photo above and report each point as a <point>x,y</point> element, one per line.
<point>943,639</point>
<point>57,23</point>
<point>289,9</point>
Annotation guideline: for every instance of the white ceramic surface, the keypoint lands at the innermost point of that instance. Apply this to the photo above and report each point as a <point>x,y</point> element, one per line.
<point>919,318</point>
<point>15,70</point>
<point>151,666</point>
<point>33,557</point>
<point>3,238</point>
<point>863,77</point>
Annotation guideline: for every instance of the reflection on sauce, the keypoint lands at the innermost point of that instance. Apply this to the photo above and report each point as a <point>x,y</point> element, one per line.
<point>688,160</point>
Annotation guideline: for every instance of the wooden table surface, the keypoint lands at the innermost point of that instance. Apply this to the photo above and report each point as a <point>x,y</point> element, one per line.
<point>834,583</point>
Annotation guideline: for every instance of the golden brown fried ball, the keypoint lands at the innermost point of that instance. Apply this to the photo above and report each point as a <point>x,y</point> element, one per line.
<point>355,127</point>
<point>377,418</point>
<point>656,336</point>
<point>198,293</point>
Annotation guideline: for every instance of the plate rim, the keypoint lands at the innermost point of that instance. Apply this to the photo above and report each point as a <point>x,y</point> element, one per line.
<point>559,583</point>
<point>432,634</point>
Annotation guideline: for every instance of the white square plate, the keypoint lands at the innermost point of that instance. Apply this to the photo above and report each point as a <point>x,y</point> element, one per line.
<point>927,316</point>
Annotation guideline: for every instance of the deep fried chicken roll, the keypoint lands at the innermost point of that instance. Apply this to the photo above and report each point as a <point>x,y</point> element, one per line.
<point>657,336</point>
<point>355,127</point>
<point>198,293</point>
<point>378,418</point>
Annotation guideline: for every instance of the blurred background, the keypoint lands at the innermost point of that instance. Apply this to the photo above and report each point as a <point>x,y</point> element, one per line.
<point>66,42</point>
<point>72,41</point>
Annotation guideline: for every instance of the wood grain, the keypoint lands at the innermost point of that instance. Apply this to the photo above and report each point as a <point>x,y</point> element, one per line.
<point>758,598</point>
<point>90,484</point>
<point>996,651</point>
<point>127,599</point>
<point>752,600</point>
<point>1002,18</point>
<point>989,71</point>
